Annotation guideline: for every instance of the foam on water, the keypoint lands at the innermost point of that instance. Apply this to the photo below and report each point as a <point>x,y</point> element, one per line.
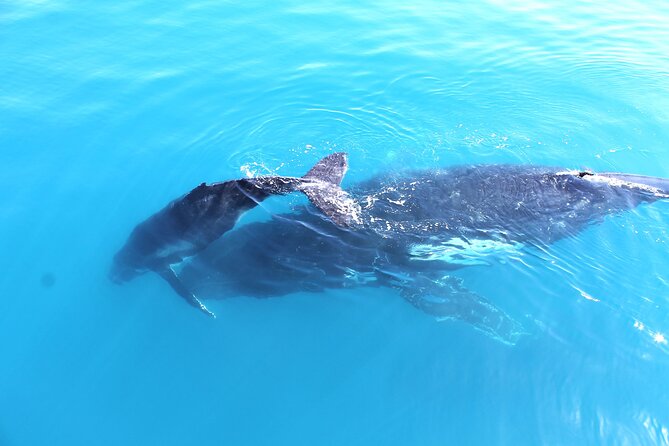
<point>464,252</point>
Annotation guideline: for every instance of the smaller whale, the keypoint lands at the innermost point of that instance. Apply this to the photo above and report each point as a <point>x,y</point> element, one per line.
<point>190,223</point>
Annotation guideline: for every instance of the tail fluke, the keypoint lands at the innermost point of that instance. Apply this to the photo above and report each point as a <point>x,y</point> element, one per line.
<point>321,186</point>
<point>330,169</point>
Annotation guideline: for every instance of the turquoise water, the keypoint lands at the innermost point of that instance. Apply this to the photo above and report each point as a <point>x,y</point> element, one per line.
<point>109,111</point>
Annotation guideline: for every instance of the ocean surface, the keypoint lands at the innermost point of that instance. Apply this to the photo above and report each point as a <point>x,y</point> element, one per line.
<point>109,110</point>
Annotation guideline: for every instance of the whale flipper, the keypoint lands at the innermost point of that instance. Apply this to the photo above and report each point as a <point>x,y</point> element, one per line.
<point>170,277</point>
<point>446,298</point>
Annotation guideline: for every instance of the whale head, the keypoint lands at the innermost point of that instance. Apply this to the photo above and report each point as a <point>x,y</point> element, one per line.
<point>122,271</point>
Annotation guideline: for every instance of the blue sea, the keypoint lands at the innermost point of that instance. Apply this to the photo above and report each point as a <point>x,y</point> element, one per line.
<point>109,110</point>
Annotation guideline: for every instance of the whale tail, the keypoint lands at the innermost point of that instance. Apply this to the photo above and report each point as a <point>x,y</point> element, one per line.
<point>330,169</point>
<point>321,186</point>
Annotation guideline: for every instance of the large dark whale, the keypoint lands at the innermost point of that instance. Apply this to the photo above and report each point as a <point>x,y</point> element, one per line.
<point>404,230</point>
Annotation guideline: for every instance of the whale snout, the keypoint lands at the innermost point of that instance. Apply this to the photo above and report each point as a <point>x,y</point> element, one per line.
<point>120,273</point>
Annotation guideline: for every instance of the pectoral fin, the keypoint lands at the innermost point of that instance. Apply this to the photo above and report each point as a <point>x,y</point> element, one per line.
<point>446,298</point>
<point>176,284</point>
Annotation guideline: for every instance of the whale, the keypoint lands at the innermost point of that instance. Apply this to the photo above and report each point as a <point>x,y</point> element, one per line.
<point>188,224</point>
<point>409,231</point>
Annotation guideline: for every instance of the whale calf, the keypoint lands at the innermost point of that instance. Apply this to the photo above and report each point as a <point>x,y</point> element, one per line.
<point>190,223</point>
<point>407,230</point>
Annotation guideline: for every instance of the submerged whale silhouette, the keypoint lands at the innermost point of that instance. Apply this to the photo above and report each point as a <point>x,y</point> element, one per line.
<point>405,231</point>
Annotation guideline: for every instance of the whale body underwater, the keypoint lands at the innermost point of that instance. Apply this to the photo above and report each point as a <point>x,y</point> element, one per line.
<point>408,231</point>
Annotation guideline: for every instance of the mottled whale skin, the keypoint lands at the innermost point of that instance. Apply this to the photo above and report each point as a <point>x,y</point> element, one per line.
<point>403,230</point>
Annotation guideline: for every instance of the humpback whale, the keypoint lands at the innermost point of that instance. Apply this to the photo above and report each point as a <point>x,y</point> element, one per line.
<point>190,223</point>
<point>406,230</point>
